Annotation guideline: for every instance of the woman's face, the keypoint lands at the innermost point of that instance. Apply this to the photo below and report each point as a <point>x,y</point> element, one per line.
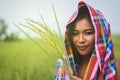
<point>83,37</point>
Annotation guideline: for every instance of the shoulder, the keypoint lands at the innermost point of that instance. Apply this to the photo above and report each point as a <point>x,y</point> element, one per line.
<point>117,68</point>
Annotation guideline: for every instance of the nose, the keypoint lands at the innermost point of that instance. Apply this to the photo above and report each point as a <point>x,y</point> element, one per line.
<point>81,38</point>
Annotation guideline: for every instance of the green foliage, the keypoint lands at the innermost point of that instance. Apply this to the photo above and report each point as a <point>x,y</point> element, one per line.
<point>50,44</point>
<point>116,41</point>
<point>51,38</point>
<point>12,37</point>
<point>3,28</point>
<point>3,32</point>
<point>23,60</point>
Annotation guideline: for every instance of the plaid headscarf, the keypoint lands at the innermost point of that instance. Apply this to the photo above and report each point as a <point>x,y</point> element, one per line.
<point>101,65</point>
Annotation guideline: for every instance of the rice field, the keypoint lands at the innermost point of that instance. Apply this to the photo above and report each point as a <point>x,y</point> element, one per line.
<point>23,60</point>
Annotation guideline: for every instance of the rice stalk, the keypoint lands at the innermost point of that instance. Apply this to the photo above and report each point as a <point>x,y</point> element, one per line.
<point>53,39</point>
<point>50,36</point>
<point>33,40</point>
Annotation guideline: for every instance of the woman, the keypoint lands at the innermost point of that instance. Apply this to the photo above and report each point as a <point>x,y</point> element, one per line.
<point>89,49</point>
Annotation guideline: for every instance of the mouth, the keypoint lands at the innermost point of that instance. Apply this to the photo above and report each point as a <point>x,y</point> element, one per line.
<point>82,47</point>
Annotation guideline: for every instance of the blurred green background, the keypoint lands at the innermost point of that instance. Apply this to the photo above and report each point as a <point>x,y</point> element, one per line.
<point>23,60</point>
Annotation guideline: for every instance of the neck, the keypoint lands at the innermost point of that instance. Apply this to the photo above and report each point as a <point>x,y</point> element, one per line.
<point>84,59</point>
<point>83,62</point>
<point>82,65</point>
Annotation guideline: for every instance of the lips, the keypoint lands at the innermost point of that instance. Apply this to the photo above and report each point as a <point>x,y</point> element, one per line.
<point>82,47</point>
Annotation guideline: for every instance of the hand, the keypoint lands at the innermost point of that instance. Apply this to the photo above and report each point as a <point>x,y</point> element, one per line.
<point>76,78</point>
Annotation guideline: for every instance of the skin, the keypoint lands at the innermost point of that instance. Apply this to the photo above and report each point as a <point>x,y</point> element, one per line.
<point>83,37</point>
<point>84,41</point>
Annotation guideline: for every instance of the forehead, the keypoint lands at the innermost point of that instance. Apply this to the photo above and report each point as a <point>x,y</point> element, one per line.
<point>83,24</point>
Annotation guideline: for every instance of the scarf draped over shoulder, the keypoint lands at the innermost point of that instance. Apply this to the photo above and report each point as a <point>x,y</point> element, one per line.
<point>102,59</point>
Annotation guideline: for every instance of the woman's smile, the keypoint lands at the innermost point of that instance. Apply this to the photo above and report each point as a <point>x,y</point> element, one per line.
<point>82,47</point>
<point>83,37</point>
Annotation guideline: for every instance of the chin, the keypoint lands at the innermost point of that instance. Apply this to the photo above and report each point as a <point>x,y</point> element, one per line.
<point>83,53</point>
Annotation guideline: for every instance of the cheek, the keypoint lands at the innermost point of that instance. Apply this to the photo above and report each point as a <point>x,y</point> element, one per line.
<point>75,39</point>
<point>91,39</point>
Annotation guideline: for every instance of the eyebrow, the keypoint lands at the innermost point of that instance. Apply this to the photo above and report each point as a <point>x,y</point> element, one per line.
<point>85,29</point>
<point>89,29</point>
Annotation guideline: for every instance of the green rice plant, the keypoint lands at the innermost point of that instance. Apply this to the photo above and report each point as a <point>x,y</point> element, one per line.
<point>50,37</point>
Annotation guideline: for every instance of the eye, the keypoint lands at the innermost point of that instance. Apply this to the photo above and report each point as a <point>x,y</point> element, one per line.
<point>75,33</point>
<point>89,32</point>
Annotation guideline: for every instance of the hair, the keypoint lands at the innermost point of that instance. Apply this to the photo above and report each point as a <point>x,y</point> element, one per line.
<point>83,13</point>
